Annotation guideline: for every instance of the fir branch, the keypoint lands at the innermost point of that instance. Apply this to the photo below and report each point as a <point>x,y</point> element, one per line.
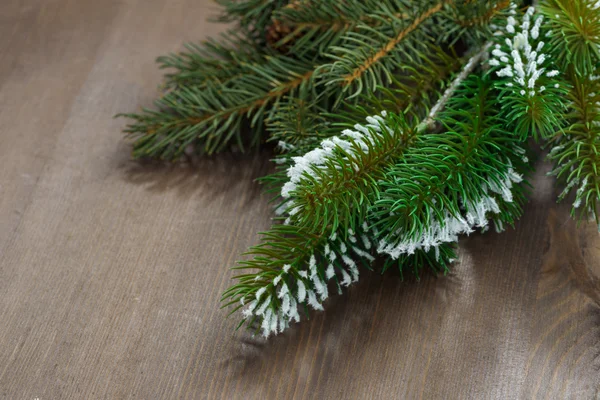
<point>303,126</point>
<point>339,179</point>
<point>575,40</point>
<point>355,162</point>
<point>575,27</point>
<point>383,139</point>
<point>331,184</point>
<point>211,116</point>
<point>352,165</point>
<point>206,108</point>
<point>294,263</point>
<point>293,270</point>
<point>527,79</point>
<point>575,151</point>
<point>295,266</point>
<point>446,184</point>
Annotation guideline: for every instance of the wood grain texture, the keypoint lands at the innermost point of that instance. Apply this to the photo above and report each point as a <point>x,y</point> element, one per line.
<point>110,270</point>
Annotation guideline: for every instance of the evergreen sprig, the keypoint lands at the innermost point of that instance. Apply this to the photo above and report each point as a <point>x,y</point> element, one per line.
<point>355,183</point>
<point>575,151</point>
<point>528,85</point>
<point>301,127</point>
<point>295,262</point>
<point>575,32</point>
<point>333,185</point>
<point>575,38</point>
<point>449,183</point>
<point>211,116</point>
<point>353,189</point>
<point>206,109</point>
<point>292,269</point>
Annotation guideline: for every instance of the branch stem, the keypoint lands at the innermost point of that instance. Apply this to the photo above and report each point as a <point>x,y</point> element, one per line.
<point>473,62</point>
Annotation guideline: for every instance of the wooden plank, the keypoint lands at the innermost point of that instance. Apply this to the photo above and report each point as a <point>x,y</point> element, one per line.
<point>110,270</point>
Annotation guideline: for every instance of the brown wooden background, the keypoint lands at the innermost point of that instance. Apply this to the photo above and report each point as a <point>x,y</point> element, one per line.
<point>110,271</point>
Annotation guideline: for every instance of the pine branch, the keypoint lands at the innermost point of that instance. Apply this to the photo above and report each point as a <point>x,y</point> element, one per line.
<point>332,184</point>
<point>352,166</point>
<point>347,172</point>
<point>575,38</point>
<point>575,151</point>
<point>206,108</point>
<point>212,116</point>
<point>292,274</point>
<point>294,268</point>
<point>527,78</point>
<point>286,278</point>
<point>303,126</point>
<point>575,27</point>
<point>294,264</point>
<point>447,184</point>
